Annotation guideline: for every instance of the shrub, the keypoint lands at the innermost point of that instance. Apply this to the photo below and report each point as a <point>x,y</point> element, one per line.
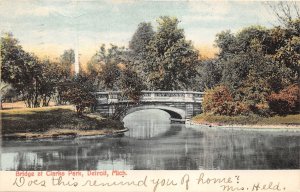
<point>216,99</point>
<point>219,101</point>
<point>287,101</point>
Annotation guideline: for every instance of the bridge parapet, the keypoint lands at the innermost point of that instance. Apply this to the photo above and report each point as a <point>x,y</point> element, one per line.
<point>151,96</point>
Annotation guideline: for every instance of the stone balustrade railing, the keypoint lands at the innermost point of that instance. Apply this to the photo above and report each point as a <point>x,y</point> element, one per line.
<point>151,96</point>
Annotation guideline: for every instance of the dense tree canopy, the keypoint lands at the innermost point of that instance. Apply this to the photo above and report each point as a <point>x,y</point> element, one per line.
<point>257,62</point>
<point>138,48</point>
<point>21,70</point>
<point>140,39</point>
<point>106,66</point>
<point>171,58</point>
<point>35,80</point>
<point>256,69</point>
<point>209,75</point>
<point>79,91</point>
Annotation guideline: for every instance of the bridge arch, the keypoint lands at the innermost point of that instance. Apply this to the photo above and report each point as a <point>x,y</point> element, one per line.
<point>175,113</point>
<point>181,105</point>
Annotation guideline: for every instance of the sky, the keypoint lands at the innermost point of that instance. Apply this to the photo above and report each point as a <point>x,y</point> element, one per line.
<point>47,27</point>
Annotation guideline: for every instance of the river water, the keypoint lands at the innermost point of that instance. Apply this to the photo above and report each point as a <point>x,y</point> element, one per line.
<point>156,144</point>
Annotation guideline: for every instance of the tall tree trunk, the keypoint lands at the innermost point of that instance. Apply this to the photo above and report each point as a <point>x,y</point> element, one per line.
<point>36,95</point>
<point>44,100</point>
<point>58,99</point>
<point>47,102</point>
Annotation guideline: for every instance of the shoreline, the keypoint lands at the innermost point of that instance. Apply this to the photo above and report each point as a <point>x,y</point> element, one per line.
<point>65,133</point>
<point>56,122</point>
<point>250,127</point>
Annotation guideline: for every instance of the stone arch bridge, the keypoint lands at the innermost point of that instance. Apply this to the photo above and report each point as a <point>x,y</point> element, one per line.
<point>181,105</point>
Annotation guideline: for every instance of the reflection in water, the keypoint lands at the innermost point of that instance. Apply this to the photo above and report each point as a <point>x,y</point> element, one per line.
<point>154,143</point>
<point>143,127</point>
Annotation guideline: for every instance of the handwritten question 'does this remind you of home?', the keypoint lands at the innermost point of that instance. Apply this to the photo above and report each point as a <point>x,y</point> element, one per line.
<point>152,181</point>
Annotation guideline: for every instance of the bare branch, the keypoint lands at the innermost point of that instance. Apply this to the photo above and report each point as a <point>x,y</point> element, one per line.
<point>297,9</point>
<point>285,11</point>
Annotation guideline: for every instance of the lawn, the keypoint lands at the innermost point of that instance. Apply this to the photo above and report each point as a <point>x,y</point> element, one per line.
<point>52,120</point>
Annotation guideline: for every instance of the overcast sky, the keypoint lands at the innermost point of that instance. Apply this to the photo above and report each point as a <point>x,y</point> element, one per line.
<point>48,27</point>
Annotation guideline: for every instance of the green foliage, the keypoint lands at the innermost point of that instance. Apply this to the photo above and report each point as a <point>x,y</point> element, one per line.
<point>67,59</point>
<point>42,120</point>
<point>257,62</point>
<point>20,69</point>
<point>241,53</point>
<point>35,80</point>
<point>6,92</point>
<point>49,79</point>
<point>172,59</point>
<point>164,60</point>
<point>226,42</point>
<point>110,75</point>
<point>105,66</point>
<point>131,84</point>
<point>257,69</point>
<point>209,74</point>
<point>140,40</point>
<point>253,94</point>
<point>79,93</point>
<point>138,49</point>
<point>229,120</point>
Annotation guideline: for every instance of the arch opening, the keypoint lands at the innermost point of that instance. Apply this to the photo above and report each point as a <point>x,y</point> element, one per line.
<point>174,113</point>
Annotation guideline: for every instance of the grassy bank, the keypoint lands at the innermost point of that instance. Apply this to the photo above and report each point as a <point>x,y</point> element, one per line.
<point>247,120</point>
<point>52,122</point>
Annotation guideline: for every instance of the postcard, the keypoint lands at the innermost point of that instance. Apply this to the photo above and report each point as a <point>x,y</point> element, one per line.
<point>100,95</point>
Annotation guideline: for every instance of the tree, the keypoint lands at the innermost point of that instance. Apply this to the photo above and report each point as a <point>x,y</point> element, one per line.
<point>58,73</point>
<point>247,67</point>
<point>67,59</point>
<point>4,89</point>
<point>131,84</point>
<point>78,91</point>
<point>35,80</point>
<point>286,37</point>
<point>209,74</point>
<point>8,93</point>
<point>30,83</point>
<point>106,65</point>
<point>110,75</point>
<point>258,61</point>
<point>20,69</point>
<point>288,54</point>
<point>12,62</point>
<point>50,79</point>
<point>227,44</point>
<point>172,59</point>
<point>138,47</point>
<point>285,11</point>
<point>141,38</point>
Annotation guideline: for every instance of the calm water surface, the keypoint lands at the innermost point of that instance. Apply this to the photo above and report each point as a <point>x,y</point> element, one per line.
<point>153,143</point>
